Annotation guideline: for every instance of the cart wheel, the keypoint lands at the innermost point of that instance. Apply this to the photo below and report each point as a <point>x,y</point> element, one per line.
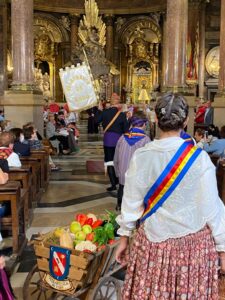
<point>34,290</point>
<point>107,289</point>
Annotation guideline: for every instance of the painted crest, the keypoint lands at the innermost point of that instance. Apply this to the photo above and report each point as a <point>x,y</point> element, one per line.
<point>59,262</point>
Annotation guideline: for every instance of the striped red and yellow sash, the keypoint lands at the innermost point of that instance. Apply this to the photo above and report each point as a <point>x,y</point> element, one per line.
<point>133,134</point>
<point>169,178</point>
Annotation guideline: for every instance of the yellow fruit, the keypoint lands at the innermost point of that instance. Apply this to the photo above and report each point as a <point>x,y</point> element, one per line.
<point>59,231</point>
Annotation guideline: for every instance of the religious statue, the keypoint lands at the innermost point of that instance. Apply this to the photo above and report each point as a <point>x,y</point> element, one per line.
<point>65,22</point>
<point>143,96</point>
<point>119,23</point>
<point>42,82</point>
<point>92,46</point>
<point>46,90</point>
<point>92,32</point>
<point>38,78</point>
<point>46,86</point>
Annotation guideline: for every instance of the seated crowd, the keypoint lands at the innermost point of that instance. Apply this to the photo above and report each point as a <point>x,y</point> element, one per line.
<point>61,129</point>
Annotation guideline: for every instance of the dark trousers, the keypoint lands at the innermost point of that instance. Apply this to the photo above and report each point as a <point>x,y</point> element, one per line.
<point>62,139</point>
<point>109,155</point>
<point>120,195</point>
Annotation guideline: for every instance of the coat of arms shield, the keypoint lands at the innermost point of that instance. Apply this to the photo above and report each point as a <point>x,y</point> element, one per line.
<point>59,262</point>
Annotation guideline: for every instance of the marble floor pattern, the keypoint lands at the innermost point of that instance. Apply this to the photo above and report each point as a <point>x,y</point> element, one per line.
<point>70,190</point>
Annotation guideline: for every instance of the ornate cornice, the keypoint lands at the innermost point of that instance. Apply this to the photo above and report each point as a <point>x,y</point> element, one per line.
<point>105,7</point>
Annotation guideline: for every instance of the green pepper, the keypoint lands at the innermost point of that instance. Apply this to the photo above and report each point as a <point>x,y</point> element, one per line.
<point>100,236</point>
<point>109,229</point>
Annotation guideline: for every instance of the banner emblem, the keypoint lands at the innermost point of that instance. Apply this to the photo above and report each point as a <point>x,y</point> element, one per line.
<point>59,262</point>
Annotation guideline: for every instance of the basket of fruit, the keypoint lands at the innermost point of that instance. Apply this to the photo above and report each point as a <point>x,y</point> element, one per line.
<point>71,258</point>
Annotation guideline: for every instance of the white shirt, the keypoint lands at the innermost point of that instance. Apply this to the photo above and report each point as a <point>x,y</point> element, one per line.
<point>14,160</point>
<point>193,204</point>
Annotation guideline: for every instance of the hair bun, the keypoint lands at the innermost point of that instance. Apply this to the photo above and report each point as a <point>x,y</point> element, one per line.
<point>172,111</point>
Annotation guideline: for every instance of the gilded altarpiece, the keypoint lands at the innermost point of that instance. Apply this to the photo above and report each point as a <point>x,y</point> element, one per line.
<point>141,38</point>
<point>48,35</point>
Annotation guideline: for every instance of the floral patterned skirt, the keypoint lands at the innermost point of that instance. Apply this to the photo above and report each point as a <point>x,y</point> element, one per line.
<point>182,268</point>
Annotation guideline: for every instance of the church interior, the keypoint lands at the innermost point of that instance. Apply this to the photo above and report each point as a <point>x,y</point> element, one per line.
<point>137,49</point>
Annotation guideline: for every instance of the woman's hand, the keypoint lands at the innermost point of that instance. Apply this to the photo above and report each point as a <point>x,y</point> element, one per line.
<point>222,262</point>
<point>2,262</point>
<point>121,249</point>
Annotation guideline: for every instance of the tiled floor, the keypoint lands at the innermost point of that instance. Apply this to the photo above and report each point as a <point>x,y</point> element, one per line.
<point>70,190</point>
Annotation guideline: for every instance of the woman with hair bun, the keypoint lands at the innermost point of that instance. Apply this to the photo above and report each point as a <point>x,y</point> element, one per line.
<point>171,193</point>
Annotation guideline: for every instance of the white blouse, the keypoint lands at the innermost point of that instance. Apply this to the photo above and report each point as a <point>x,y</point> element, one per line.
<point>192,205</point>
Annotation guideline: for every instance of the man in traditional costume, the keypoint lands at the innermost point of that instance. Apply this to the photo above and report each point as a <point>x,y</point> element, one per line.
<point>114,124</point>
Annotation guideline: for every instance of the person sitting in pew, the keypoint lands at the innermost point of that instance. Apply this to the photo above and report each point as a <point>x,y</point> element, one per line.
<point>217,147</point>
<point>53,134</point>
<point>6,150</point>
<point>35,144</point>
<point>20,147</point>
<point>4,165</point>
<point>31,124</point>
<point>199,137</point>
<point>31,138</point>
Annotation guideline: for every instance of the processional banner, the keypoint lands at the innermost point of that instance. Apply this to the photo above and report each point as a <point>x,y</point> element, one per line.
<point>78,87</point>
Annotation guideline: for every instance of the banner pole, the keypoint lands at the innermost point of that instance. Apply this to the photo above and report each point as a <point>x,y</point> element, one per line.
<point>94,82</point>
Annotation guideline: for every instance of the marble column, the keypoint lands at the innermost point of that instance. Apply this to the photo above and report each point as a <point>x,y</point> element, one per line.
<point>219,100</point>
<point>74,19</point>
<point>164,48</point>
<point>23,103</point>
<point>3,46</point>
<point>221,85</point>
<point>192,41</point>
<point>201,64</point>
<point>176,30</point>
<point>109,37</point>
<point>116,61</point>
<point>22,44</point>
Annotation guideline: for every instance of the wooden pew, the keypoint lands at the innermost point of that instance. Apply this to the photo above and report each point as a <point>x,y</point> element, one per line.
<point>35,166</point>
<point>43,157</point>
<point>24,176</point>
<point>11,191</point>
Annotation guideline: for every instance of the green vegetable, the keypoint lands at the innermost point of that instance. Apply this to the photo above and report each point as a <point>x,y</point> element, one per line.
<point>112,219</point>
<point>100,236</point>
<point>109,229</point>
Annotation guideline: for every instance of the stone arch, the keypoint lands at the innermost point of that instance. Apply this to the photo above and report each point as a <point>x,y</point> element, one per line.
<point>146,23</point>
<point>45,23</point>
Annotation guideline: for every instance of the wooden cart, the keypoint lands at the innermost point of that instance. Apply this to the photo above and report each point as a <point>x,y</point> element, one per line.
<point>90,275</point>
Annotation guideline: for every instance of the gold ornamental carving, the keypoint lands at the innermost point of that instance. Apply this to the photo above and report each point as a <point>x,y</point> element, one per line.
<point>44,25</point>
<point>212,62</point>
<point>44,48</point>
<point>92,27</point>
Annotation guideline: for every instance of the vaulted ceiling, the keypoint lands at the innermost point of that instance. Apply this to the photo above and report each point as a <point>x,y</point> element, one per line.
<point>105,6</point>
